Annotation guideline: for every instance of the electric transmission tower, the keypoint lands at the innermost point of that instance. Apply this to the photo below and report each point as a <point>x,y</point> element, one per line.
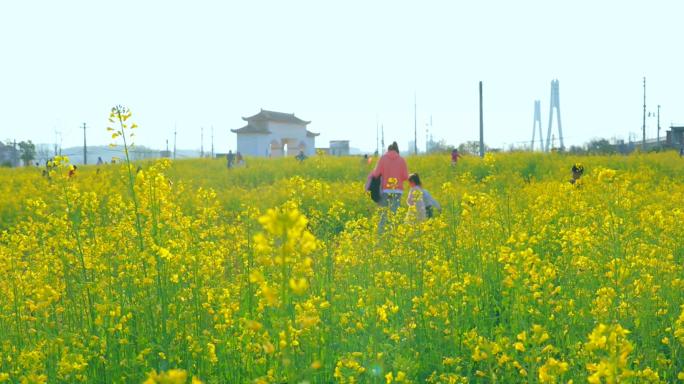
<point>537,119</point>
<point>555,103</point>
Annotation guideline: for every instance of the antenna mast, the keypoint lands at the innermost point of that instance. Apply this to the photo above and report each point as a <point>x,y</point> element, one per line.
<point>415,125</point>
<point>377,135</point>
<point>643,127</point>
<point>85,152</point>
<point>482,149</point>
<point>658,126</point>
<point>427,140</point>
<point>175,132</point>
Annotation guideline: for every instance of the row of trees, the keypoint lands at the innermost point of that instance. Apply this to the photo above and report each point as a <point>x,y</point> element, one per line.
<point>596,146</point>
<point>26,153</point>
<point>471,147</point>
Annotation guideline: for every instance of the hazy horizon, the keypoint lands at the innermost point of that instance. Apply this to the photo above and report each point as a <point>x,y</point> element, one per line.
<point>343,66</point>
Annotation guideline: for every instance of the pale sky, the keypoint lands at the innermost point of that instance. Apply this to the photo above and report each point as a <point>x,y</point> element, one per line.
<point>339,64</point>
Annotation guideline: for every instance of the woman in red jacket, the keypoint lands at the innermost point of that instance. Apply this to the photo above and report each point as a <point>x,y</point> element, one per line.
<point>392,167</point>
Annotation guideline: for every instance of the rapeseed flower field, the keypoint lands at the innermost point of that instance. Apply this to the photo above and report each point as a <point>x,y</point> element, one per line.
<point>187,272</point>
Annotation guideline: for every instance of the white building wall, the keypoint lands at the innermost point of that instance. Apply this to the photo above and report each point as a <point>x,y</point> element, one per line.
<point>286,130</point>
<point>310,146</point>
<point>260,144</point>
<point>263,145</point>
<point>296,133</point>
<point>248,144</point>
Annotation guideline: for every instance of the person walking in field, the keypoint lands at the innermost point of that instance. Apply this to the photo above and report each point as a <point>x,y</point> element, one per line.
<point>454,157</point>
<point>231,159</point>
<point>424,205</point>
<point>577,172</point>
<point>72,171</point>
<point>393,171</point>
<point>301,156</point>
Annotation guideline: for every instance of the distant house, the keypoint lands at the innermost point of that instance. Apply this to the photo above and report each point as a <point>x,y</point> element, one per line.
<point>9,155</point>
<point>275,134</point>
<point>339,147</point>
<point>675,136</point>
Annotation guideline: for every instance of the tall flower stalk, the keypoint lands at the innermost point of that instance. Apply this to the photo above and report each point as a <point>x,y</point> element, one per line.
<point>119,116</point>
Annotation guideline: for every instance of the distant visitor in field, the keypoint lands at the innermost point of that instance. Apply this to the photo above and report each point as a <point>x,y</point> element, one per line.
<point>394,172</point>
<point>301,156</point>
<point>577,172</point>
<point>231,159</point>
<point>454,156</point>
<point>99,160</point>
<point>240,160</point>
<point>72,171</point>
<point>419,198</point>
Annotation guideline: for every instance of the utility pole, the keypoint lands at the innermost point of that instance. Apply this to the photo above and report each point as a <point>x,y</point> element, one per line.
<point>643,127</point>
<point>57,133</point>
<point>167,145</point>
<point>415,125</point>
<point>482,149</point>
<point>382,131</point>
<point>85,151</point>
<point>659,126</point>
<point>15,154</point>
<point>202,142</point>
<point>212,141</point>
<point>175,133</point>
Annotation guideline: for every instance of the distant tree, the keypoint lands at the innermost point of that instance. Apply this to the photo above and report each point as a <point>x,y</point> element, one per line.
<point>441,146</point>
<point>576,149</point>
<point>472,147</point>
<point>43,153</point>
<point>6,163</point>
<point>600,146</point>
<point>28,151</point>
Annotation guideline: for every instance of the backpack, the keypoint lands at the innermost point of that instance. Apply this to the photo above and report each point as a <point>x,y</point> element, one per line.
<point>374,188</point>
